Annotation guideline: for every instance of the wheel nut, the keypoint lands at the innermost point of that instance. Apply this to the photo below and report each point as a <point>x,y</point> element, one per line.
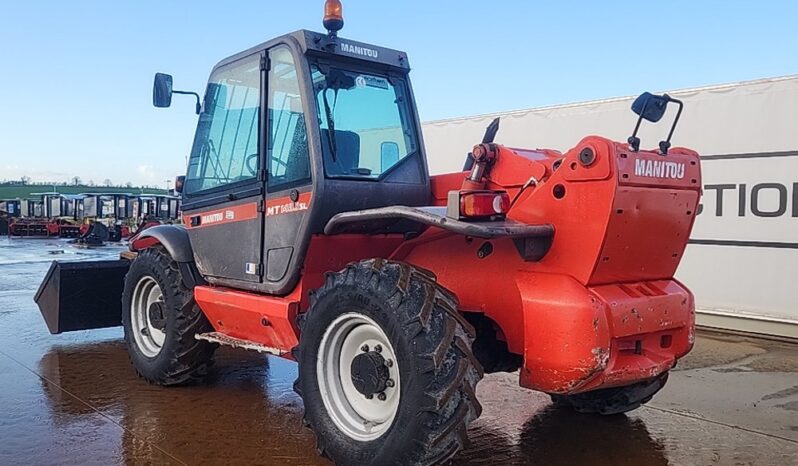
<point>381,396</point>
<point>369,397</point>
<point>364,348</point>
<point>390,383</point>
<point>378,348</point>
<point>389,363</point>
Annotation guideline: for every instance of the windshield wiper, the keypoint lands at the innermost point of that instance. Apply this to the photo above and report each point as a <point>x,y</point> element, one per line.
<point>330,123</point>
<point>216,162</point>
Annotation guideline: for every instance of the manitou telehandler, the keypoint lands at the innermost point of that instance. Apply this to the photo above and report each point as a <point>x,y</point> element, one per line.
<point>313,231</point>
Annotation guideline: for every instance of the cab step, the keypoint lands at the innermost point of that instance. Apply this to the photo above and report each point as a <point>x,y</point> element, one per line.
<point>227,340</point>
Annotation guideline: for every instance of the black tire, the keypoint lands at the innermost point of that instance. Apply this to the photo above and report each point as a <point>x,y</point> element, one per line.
<point>616,400</point>
<point>182,358</point>
<point>437,368</point>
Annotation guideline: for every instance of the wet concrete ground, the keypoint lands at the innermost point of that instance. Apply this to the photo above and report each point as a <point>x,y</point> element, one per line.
<point>75,399</point>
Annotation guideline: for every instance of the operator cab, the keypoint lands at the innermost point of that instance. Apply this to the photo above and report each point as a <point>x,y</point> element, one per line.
<point>292,132</point>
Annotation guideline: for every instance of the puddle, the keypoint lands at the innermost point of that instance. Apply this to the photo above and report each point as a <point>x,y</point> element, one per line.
<point>75,398</point>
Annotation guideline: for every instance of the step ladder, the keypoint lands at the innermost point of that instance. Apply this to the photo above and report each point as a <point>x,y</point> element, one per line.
<point>227,340</point>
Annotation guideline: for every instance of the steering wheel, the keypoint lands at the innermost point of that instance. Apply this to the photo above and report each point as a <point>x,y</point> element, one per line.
<point>251,162</point>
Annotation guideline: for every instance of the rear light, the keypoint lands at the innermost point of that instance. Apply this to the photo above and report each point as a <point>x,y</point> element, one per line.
<point>478,204</point>
<point>484,204</point>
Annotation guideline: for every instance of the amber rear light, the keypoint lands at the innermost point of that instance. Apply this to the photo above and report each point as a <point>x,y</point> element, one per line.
<point>484,204</point>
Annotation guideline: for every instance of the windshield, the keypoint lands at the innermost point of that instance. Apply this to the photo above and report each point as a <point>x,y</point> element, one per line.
<point>365,119</point>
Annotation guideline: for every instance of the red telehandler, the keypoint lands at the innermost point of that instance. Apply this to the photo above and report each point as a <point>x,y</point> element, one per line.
<point>313,231</point>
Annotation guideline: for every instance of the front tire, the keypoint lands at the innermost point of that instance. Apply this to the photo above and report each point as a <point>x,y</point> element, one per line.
<point>615,400</point>
<point>160,319</point>
<point>386,370</point>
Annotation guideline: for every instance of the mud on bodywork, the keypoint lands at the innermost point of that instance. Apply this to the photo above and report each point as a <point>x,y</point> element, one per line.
<point>605,336</point>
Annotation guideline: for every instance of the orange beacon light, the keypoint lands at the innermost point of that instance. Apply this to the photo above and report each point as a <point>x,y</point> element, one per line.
<point>333,16</point>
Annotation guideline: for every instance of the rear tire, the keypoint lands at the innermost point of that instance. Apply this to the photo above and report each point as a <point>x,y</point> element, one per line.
<point>422,414</point>
<point>615,400</point>
<point>160,319</point>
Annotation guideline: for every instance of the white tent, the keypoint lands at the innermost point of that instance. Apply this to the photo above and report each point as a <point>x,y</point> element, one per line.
<point>742,262</point>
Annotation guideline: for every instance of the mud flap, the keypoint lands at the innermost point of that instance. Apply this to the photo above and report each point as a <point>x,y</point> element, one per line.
<point>82,295</point>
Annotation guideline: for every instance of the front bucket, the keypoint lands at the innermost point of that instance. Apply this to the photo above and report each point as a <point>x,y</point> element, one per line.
<point>82,295</point>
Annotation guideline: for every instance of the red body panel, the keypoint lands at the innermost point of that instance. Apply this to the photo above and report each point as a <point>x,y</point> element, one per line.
<point>600,309</point>
<point>267,320</point>
<point>241,314</point>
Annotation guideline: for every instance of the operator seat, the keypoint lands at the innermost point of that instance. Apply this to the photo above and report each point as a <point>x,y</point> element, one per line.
<point>347,153</point>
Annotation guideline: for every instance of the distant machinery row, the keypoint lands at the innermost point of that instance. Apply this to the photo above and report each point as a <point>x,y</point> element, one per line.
<point>70,216</point>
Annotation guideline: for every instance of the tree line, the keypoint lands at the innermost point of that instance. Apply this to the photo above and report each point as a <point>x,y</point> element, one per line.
<point>74,181</point>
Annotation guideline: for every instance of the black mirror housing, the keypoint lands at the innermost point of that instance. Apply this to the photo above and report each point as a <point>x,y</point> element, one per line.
<point>180,181</point>
<point>649,106</point>
<point>162,90</point>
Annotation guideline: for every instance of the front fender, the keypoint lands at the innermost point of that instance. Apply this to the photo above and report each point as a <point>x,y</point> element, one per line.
<point>173,237</point>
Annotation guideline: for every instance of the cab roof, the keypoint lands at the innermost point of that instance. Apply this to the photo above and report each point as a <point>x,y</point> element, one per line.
<point>316,43</point>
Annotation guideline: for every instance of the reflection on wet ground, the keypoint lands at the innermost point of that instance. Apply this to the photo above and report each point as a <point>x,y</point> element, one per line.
<point>74,399</point>
<point>246,413</point>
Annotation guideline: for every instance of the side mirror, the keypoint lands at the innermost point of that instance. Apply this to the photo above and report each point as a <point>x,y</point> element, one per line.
<point>650,107</point>
<point>162,90</point>
<point>389,155</point>
<point>180,181</point>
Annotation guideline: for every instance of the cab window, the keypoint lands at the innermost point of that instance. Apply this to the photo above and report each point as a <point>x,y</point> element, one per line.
<point>288,158</point>
<point>365,120</point>
<point>226,143</point>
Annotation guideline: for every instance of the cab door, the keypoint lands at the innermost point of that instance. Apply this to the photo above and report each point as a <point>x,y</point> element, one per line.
<point>289,180</point>
<point>223,189</point>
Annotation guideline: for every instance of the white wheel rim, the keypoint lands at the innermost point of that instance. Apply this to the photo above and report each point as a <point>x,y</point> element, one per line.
<point>352,412</point>
<point>148,338</point>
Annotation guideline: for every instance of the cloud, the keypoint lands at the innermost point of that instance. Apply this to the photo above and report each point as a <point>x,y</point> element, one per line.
<point>147,171</point>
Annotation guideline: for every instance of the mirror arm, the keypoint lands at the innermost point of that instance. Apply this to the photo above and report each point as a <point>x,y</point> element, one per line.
<point>198,107</point>
<point>633,140</point>
<point>666,144</point>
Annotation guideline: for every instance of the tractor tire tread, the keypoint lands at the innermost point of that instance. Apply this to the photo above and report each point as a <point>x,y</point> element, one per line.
<point>189,359</point>
<point>615,400</point>
<point>448,369</point>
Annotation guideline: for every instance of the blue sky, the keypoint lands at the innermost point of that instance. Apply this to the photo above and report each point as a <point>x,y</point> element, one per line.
<point>77,76</point>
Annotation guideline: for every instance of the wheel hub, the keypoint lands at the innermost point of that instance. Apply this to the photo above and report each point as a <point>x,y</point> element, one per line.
<point>370,374</point>
<point>156,315</point>
<point>148,316</point>
<point>358,375</point>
